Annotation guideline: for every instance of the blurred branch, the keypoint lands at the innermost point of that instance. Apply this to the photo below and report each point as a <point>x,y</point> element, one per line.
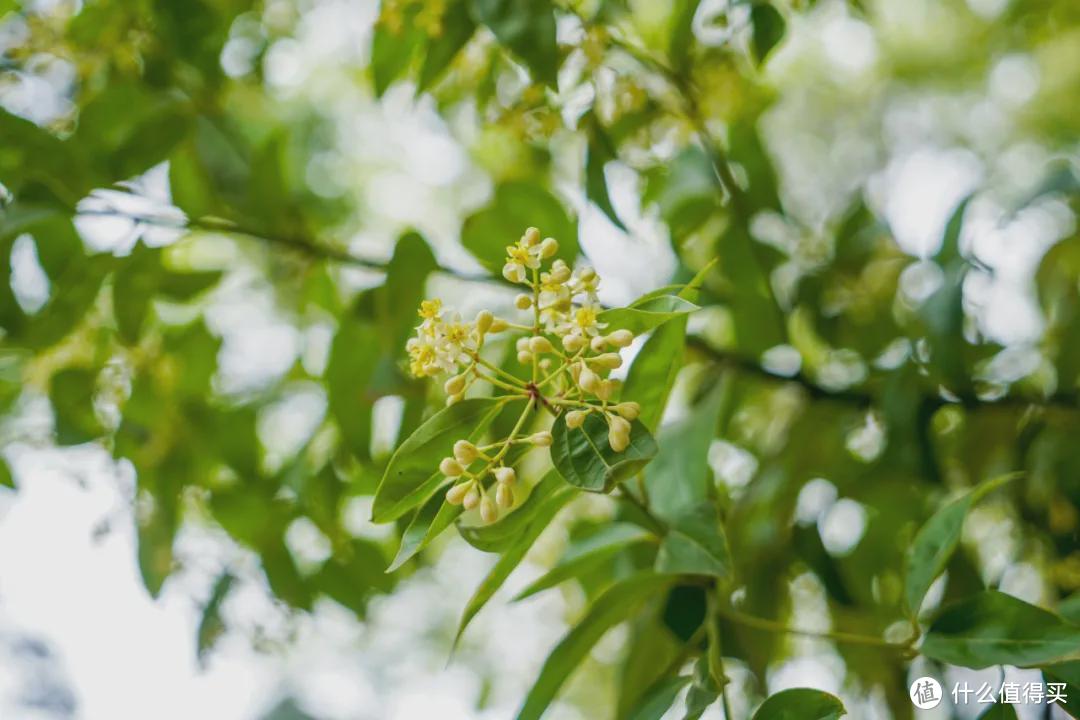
<point>312,250</point>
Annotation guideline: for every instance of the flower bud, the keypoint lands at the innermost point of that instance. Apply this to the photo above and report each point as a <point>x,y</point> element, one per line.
<point>587,274</point>
<point>512,273</point>
<point>545,364</point>
<point>497,325</point>
<point>531,236</point>
<point>488,512</point>
<point>454,399</point>
<point>560,272</point>
<point>484,321</point>
<point>618,433</point>
<point>504,496</point>
<point>524,357</point>
<point>540,344</point>
<point>454,385</point>
<point>620,338</point>
<point>451,467</point>
<point>505,475</point>
<point>606,389</point>
<point>573,343</point>
<point>549,247</point>
<point>575,419</point>
<point>465,452</point>
<point>608,361</point>
<point>541,439</point>
<point>522,344</point>
<point>629,410</point>
<point>523,301</point>
<point>456,494</point>
<point>598,343</point>
<point>472,497</point>
<point>588,380</point>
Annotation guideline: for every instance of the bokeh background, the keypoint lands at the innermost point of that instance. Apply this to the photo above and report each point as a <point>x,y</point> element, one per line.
<point>881,114</point>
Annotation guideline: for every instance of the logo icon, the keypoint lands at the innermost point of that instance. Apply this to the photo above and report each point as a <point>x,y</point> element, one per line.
<point>925,693</point>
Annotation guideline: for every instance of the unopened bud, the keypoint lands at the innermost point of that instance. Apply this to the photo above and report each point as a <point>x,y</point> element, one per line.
<point>575,419</point>
<point>560,272</point>
<point>498,325</point>
<point>484,321</point>
<point>504,496</point>
<point>488,512</point>
<point>608,361</point>
<point>454,399</point>
<point>618,433</point>
<point>451,467</point>
<point>573,343</point>
<point>587,274</point>
<point>588,380</point>
<point>606,389</point>
<point>540,344</point>
<point>620,338</point>
<point>531,236</point>
<point>456,494</point>
<point>523,301</point>
<point>472,497</point>
<point>549,247</point>
<point>541,439</point>
<point>545,364</point>
<point>524,357</point>
<point>598,343</point>
<point>505,475</point>
<point>454,385</point>
<point>522,344</point>
<point>465,452</point>
<point>629,410</point>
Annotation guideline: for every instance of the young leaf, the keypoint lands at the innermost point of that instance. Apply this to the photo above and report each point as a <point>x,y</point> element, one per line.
<point>512,557</point>
<point>769,28</point>
<point>936,541</point>
<point>411,475</point>
<point>499,536</point>
<point>585,459</point>
<point>527,28</point>
<point>800,704</point>
<point>587,555</point>
<point>612,607</point>
<point>659,698</point>
<point>429,522</point>
<point>695,545</point>
<point>647,313</point>
<point>992,628</point>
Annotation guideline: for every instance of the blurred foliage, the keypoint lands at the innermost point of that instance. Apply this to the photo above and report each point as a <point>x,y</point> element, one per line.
<point>903,405</point>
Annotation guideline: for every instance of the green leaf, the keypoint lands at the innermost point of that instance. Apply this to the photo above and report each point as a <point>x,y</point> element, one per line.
<point>999,711</point>
<point>937,540</point>
<point>501,535</point>
<point>585,459</point>
<point>429,522</point>
<point>211,625</point>
<point>412,473</point>
<point>598,154</point>
<point>527,28</point>
<point>350,369</point>
<point>695,545</point>
<point>515,207</point>
<point>800,704</point>
<point>6,479</point>
<point>134,285</point>
<point>283,576</point>
<point>392,50</point>
<point>659,699</point>
<point>457,28</point>
<point>587,555</point>
<point>352,576</point>
<point>992,628</point>
<point>647,313</point>
<point>653,372</point>
<point>682,32</point>
<point>512,557</point>
<point>72,394</point>
<point>769,26</point>
<point>406,276</point>
<point>616,604</point>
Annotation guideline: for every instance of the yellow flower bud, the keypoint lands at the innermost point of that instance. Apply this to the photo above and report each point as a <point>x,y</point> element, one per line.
<point>472,497</point>
<point>560,272</point>
<point>608,361</point>
<point>488,512</point>
<point>456,494</point>
<point>524,357</point>
<point>523,301</point>
<point>505,475</point>
<point>629,410</point>
<point>545,364</point>
<point>541,439</point>
<point>587,274</point>
<point>522,344</point>
<point>484,320</point>
<point>513,273</point>
<point>504,496</point>
<point>540,344</point>
<point>588,380</point>
<point>598,343</point>
<point>451,467</point>
<point>575,419</point>
<point>606,389</point>
<point>618,433</point>
<point>498,325</point>
<point>549,247</point>
<point>454,385</point>
<point>465,452</point>
<point>620,338</point>
<point>573,343</point>
<point>531,236</point>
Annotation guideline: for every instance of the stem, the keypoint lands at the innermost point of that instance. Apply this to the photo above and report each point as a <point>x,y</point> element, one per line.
<point>716,652</point>
<point>512,435</point>
<point>758,623</point>
<point>499,371</point>
<point>498,383</point>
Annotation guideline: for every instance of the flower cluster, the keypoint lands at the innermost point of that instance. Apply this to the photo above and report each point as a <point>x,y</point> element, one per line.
<point>566,352</point>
